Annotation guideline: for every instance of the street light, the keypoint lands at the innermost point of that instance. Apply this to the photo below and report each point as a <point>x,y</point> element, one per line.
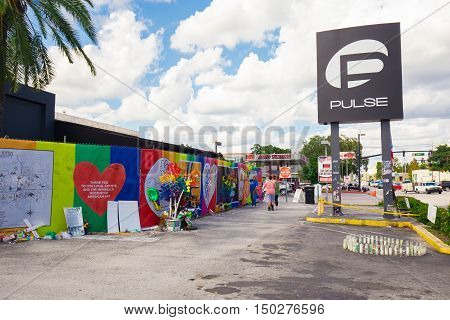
<point>326,143</point>
<point>217,143</point>
<point>359,160</point>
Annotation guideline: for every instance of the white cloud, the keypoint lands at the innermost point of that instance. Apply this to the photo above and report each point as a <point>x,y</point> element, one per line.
<point>122,51</point>
<point>113,4</point>
<point>230,22</point>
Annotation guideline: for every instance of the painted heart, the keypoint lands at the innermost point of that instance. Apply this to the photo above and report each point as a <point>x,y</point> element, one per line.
<point>97,189</point>
<point>209,182</point>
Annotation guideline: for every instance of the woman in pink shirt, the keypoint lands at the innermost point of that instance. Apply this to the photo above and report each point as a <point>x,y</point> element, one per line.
<point>269,187</point>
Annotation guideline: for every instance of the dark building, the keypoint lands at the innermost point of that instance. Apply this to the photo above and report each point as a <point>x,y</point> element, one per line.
<point>29,114</point>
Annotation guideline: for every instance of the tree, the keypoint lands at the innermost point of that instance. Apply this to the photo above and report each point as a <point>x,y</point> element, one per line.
<point>397,165</point>
<point>413,165</point>
<point>269,149</point>
<point>379,172</point>
<point>313,148</point>
<point>309,171</point>
<point>440,159</point>
<point>24,26</point>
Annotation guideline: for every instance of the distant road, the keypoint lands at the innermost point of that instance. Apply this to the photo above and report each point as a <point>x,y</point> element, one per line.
<point>436,199</point>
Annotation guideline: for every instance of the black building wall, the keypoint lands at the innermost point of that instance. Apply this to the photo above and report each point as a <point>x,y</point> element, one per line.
<point>29,114</point>
<point>77,133</point>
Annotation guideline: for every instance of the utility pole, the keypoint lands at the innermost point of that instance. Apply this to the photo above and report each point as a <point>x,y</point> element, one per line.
<point>335,166</point>
<point>217,143</point>
<point>359,159</point>
<point>404,162</point>
<point>386,173</point>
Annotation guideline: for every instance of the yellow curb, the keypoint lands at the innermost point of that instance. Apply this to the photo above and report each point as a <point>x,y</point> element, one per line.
<point>431,239</point>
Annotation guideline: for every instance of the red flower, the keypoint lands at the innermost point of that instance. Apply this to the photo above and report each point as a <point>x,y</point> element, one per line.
<point>174,169</point>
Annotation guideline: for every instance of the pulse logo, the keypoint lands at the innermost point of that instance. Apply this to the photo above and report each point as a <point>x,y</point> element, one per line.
<point>353,65</point>
<point>359,74</point>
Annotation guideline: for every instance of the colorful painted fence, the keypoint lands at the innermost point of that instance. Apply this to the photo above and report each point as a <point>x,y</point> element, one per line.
<point>39,179</point>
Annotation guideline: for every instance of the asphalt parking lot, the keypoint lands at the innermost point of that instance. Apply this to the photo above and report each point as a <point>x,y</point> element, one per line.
<point>246,253</point>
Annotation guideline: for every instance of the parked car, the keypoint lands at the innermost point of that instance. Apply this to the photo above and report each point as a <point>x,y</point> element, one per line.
<point>428,187</point>
<point>397,186</point>
<point>352,186</point>
<point>380,185</point>
<point>285,186</point>
<point>445,185</point>
<point>355,187</point>
<point>375,183</point>
<point>407,186</point>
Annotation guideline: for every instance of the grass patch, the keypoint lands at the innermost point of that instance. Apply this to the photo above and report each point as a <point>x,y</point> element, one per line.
<point>438,234</point>
<point>442,225</point>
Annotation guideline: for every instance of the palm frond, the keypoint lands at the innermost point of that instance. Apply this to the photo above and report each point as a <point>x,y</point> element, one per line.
<point>28,22</point>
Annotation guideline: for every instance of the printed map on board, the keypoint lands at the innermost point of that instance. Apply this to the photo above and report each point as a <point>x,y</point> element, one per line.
<point>25,187</point>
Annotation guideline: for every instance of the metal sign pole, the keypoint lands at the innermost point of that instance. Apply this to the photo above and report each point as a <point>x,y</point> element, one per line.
<point>326,184</point>
<point>386,149</point>
<point>285,181</point>
<point>335,167</point>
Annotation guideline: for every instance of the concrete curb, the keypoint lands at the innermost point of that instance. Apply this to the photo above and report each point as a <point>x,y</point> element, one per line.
<point>432,240</point>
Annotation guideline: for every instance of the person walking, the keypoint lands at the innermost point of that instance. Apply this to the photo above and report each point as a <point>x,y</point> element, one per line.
<point>269,187</point>
<point>253,187</point>
<point>277,190</point>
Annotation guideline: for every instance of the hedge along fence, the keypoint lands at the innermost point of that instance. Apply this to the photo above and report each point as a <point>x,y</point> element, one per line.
<point>417,207</point>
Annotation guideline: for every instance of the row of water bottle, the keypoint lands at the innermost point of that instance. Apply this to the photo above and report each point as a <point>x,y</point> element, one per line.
<point>383,246</point>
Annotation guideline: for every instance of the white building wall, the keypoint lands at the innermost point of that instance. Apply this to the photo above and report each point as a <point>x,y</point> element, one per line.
<point>425,175</point>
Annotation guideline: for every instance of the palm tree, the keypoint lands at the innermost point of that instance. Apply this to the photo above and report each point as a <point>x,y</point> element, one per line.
<point>25,24</point>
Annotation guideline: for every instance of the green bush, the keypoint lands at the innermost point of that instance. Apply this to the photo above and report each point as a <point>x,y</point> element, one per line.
<point>417,207</point>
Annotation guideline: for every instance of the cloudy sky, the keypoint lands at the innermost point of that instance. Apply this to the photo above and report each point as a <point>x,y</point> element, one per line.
<point>167,64</point>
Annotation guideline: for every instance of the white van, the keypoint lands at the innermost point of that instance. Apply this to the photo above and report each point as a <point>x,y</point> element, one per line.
<point>407,186</point>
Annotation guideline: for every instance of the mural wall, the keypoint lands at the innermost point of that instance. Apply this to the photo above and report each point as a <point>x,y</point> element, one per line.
<point>39,179</point>
<point>227,185</point>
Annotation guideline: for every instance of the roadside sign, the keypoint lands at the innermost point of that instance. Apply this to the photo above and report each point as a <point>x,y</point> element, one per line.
<point>285,173</point>
<point>347,155</point>
<point>431,214</point>
<point>419,154</point>
<point>359,74</point>
<point>297,195</point>
<point>324,169</point>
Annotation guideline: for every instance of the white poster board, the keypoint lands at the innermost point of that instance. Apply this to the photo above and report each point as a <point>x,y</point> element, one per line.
<point>297,195</point>
<point>26,182</point>
<point>324,169</point>
<point>431,214</point>
<point>74,220</point>
<point>407,203</point>
<point>129,216</point>
<point>112,216</point>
